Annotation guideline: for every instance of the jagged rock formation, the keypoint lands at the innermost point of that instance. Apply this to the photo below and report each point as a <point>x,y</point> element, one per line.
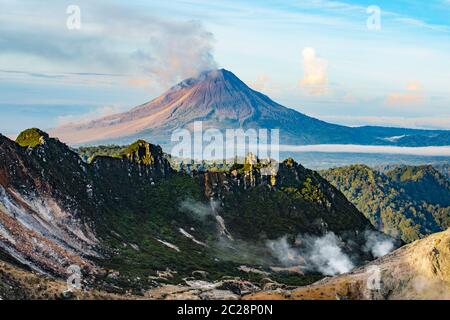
<point>293,200</point>
<point>49,199</point>
<point>420,270</point>
<point>126,218</point>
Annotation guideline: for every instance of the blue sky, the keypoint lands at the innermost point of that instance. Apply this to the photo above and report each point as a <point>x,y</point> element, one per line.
<point>316,56</point>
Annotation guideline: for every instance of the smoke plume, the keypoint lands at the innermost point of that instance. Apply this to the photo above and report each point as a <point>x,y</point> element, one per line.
<point>114,42</point>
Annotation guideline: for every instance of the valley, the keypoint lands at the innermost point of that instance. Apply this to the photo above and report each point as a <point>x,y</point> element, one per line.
<point>140,229</point>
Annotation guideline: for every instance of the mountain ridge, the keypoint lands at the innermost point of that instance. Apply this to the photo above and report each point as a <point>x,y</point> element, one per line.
<point>133,214</point>
<point>221,100</point>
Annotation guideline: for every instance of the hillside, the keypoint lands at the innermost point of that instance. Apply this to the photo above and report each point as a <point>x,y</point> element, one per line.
<point>423,183</point>
<point>406,202</point>
<point>222,101</point>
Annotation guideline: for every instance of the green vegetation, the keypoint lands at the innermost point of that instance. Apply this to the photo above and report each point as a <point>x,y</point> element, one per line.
<point>157,214</point>
<point>31,138</point>
<point>423,183</point>
<point>89,153</point>
<point>407,202</point>
<point>142,152</point>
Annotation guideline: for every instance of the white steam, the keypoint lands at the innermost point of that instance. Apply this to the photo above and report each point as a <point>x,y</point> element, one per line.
<point>183,50</point>
<point>323,254</point>
<point>328,257</point>
<point>378,244</point>
<point>285,253</point>
<point>198,209</point>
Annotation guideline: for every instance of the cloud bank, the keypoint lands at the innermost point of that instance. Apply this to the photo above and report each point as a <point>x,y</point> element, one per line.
<point>440,121</point>
<point>351,148</point>
<point>87,117</point>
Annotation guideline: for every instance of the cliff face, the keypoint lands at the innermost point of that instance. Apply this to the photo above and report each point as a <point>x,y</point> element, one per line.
<point>40,204</point>
<point>290,201</point>
<point>50,200</point>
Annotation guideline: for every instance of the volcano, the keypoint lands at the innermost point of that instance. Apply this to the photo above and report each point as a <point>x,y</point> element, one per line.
<point>221,100</point>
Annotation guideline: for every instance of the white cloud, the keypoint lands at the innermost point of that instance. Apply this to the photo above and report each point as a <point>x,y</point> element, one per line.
<point>413,86</point>
<point>422,24</point>
<point>350,148</point>
<point>86,117</point>
<point>315,77</point>
<point>411,96</point>
<point>260,83</point>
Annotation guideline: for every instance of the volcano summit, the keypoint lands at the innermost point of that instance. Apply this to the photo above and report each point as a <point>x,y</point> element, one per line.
<point>221,100</point>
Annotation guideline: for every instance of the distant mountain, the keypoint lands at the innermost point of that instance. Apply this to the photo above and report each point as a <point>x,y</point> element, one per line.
<point>418,271</point>
<point>131,222</point>
<point>406,202</point>
<point>221,100</point>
